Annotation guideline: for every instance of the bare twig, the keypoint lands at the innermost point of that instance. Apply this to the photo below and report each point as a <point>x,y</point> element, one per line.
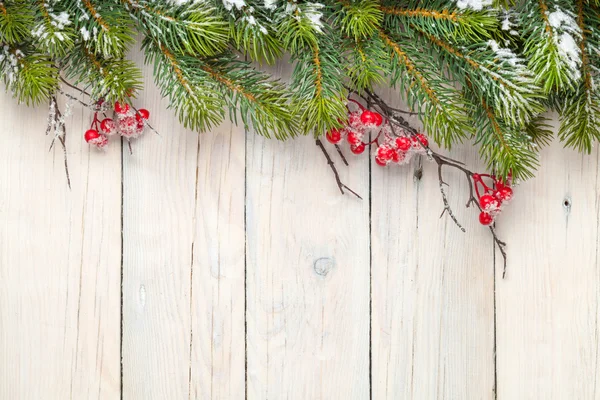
<point>82,91</point>
<point>337,147</point>
<point>55,121</point>
<point>340,184</point>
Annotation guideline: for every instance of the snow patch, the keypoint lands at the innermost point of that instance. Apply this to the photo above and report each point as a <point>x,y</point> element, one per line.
<point>476,5</point>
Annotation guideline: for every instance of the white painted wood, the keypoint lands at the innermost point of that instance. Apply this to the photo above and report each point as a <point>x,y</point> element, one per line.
<point>305,258</point>
<point>183,260</point>
<point>433,293</point>
<point>547,307</point>
<point>218,339</point>
<point>60,253</point>
<point>307,273</point>
<point>159,181</point>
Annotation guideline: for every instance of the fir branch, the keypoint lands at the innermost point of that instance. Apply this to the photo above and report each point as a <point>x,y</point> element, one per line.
<point>197,100</point>
<point>497,74</point>
<point>366,63</point>
<point>105,31</point>
<point>318,91</point>
<point>53,31</point>
<point>358,19</point>
<point>253,35</point>
<point>262,103</point>
<point>439,105</point>
<point>442,19</point>
<point>580,110</point>
<point>16,21</point>
<point>506,148</point>
<point>110,79</point>
<point>196,28</point>
<point>551,37</point>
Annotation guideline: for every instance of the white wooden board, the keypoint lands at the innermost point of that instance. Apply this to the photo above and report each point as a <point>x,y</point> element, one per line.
<point>247,275</point>
<point>60,256</point>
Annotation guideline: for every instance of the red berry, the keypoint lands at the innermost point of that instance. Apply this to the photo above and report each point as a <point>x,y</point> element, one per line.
<point>121,108</point>
<point>91,134</point>
<point>403,143</point>
<point>334,136</point>
<point>354,119</point>
<point>504,193</point>
<point>101,142</point>
<point>354,137</point>
<point>420,140</point>
<point>371,118</point>
<point>357,148</point>
<point>485,218</point>
<point>107,125</point>
<point>488,202</point>
<point>379,161</point>
<point>385,153</point>
<point>142,114</point>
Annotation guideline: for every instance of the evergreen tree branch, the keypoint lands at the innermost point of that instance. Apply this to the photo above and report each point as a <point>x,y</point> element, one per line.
<point>439,105</point>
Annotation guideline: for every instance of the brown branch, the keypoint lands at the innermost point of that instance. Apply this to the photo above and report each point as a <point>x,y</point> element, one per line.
<point>339,150</point>
<point>340,184</point>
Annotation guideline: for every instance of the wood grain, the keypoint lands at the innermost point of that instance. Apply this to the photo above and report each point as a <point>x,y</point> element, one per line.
<point>433,293</point>
<point>60,254</point>
<point>217,368</point>
<point>159,181</point>
<point>183,269</point>
<point>548,306</point>
<point>307,272</point>
<point>247,275</point>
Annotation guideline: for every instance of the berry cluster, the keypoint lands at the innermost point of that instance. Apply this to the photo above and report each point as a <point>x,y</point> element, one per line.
<point>491,199</point>
<point>394,146</point>
<point>127,123</point>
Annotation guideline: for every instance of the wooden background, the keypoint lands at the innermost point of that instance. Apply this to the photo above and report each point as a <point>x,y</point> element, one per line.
<point>228,266</point>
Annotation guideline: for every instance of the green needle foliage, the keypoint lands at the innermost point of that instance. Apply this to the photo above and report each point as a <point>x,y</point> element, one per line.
<point>483,70</point>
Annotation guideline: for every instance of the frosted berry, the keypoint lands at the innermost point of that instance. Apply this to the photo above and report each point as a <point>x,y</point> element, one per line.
<point>142,114</point>
<point>128,127</point>
<point>334,136</point>
<point>403,143</point>
<point>354,120</point>
<point>399,156</point>
<point>108,126</point>
<point>485,218</point>
<point>371,118</point>
<point>101,142</point>
<point>121,108</point>
<point>379,161</point>
<point>91,134</point>
<point>385,153</point>
<point>505,194</point>
<point>488,202</point>
<point>354,137</point>
<point>357,148</point>
<point>420,140</point>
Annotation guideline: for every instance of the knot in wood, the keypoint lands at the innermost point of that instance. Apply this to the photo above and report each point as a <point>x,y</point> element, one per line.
<point>323,266</point>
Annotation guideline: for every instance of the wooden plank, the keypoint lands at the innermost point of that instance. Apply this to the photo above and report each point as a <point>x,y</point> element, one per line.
<point>159,181</point>
<point>60,254</point>
<point>183,260</point>
<point>307,273</point>
<point>547,307</point>
<point>433,287</point>
<point>218,304</point>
